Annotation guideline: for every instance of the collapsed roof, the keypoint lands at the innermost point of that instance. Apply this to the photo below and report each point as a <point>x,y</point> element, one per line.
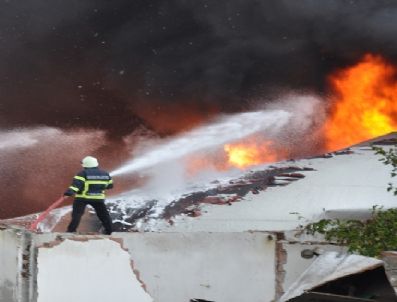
<point>342,277</point>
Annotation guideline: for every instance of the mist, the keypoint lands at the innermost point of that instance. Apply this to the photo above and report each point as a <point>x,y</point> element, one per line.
<point>293,124</point>
<point>38,164</point>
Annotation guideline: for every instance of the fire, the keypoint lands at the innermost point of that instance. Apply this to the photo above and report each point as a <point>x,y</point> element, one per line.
<point>250,152</point>
<point>243,155</point>
<point>365,105</point>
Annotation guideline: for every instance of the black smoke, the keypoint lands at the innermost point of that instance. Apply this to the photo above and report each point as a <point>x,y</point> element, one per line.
<point>165,65</point>
<point>116,64</point>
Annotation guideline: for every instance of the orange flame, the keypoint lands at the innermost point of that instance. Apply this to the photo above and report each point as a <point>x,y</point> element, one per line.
<point>243,155</point>
<point>365,105</point>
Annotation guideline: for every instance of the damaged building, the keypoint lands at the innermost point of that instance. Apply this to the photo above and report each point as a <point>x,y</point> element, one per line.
<point>237,239</point>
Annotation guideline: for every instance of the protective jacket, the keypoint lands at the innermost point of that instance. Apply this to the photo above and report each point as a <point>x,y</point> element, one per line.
<point>90,183</point>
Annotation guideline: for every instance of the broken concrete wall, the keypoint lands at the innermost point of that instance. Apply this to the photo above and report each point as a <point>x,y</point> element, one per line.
<point>87,270</point>
<point>172,266</point>
<point>177,267</point>
<point>14,265</point>
<point>9,265</point>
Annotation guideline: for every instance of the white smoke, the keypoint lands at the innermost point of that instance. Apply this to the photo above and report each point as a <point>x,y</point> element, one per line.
<point>37,165</point>
<point>23,138</point>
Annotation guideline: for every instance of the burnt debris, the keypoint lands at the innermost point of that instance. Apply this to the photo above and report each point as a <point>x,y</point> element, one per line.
<point>223,194</point>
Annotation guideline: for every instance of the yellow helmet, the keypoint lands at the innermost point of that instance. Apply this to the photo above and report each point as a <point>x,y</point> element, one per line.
<point>89,162</point>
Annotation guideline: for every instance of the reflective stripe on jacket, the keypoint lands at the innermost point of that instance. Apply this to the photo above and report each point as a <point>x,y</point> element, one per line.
<point>90,183</point>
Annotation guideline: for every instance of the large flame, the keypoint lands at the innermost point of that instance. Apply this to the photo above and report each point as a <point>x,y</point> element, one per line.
<point>365,105</point>
<point>243,154</point>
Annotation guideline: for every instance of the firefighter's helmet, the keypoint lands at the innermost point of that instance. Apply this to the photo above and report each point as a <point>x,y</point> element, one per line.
<point>89,162</point>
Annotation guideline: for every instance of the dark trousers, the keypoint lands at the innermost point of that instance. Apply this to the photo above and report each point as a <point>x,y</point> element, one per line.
<point>100,210</point>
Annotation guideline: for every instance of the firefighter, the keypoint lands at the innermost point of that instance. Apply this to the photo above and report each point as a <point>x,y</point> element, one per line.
<point>88,188</point>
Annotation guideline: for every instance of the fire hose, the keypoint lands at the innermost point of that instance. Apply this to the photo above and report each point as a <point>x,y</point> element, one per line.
<point>43,215</point>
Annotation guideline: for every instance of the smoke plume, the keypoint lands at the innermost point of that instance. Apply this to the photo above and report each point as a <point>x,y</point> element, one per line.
<point>114,65</point>
<point>94,71</point>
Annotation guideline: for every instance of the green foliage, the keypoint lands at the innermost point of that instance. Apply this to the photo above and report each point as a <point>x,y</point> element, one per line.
<point>389,157</point>
<point>368,238</point>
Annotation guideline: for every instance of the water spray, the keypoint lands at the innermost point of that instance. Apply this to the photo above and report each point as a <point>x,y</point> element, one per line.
<point>227,129</point>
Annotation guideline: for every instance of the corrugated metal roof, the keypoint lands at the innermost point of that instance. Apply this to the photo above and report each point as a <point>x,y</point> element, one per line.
<point>328,267</point>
